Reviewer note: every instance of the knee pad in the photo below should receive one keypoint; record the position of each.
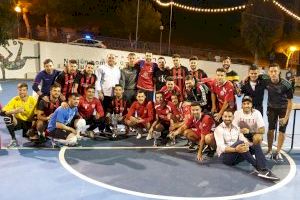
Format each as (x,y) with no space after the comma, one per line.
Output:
(81,125)
(8,120)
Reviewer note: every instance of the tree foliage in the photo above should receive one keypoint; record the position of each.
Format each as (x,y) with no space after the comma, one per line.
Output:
(261,27)
(149,18)
(7,21)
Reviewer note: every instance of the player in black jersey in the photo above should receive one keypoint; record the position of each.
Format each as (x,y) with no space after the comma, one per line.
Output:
(85,79)
(198,74)
(161,73)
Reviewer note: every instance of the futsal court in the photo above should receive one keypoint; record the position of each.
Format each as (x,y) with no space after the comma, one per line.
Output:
(133,169)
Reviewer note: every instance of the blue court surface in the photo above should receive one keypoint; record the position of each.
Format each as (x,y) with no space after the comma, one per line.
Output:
(133,169)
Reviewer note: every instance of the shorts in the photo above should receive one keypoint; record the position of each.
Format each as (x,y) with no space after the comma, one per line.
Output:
(198,133)
(59,133)
(165,124)
(273,115)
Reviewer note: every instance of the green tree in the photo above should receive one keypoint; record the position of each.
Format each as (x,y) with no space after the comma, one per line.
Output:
(7,21)
(149,19)
(261,27)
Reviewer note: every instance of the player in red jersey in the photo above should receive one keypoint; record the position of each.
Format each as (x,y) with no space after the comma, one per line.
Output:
(85,79)
(117,109)
(140,114)
(169,89)
(161,124)
(197,129)
(198,74)
(222,95)
(91,110)
(178,72)
(44,111)
(145,78)
(67,79)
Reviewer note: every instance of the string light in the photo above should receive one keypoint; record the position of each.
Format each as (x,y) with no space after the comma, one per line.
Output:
(284,9)
(199,9)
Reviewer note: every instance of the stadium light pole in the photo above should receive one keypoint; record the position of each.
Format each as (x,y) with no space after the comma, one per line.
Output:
(137,23)
(170,28)
(161,28)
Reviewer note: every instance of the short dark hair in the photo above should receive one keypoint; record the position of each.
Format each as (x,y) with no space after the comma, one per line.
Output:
(131,54)
(274,65)
(73,61)
(175,56)
(193,58)
(73,94)
(170,78)
(159,92)
(90,63)
(119,85)
(90,87)
(221,70)
(195,104)
(189,77)
(227,57)
(229,110)
(55,85)
(161,58)
(141,91)
(48,60)
(253,67)
(21,85)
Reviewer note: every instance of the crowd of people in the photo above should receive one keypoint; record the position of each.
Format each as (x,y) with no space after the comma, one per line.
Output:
(159,102)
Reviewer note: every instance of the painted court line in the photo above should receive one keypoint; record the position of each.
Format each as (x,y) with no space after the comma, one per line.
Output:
(96,148)
(277,186)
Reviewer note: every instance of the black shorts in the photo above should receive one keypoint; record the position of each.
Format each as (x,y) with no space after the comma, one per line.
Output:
(273,115)
(59,133)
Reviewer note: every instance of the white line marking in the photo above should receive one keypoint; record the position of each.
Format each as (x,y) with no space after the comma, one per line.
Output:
(286,180)
(95,148)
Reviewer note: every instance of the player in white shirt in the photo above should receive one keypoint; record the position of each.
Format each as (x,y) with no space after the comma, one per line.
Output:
(108,75)
(250,121)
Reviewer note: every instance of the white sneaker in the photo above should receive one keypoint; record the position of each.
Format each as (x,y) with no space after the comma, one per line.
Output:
(149,137)
(139,136)
(269,156)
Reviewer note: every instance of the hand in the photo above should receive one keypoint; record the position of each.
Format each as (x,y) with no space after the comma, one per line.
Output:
(150,131)
(245,130)
(217,117)
(46,98)
(242,148)
(62,97)
(199,156)
(49,117)
(19,110)
(283,121)
(100,96)
(64,105)
(213,109)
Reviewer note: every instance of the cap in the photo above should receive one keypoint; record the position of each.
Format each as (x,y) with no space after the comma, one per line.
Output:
(247,98)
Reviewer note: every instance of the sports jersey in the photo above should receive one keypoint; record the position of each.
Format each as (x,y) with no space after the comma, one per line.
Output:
(67,82)
(87,108)
(200,126)
(253,121)
(129,76)
(107,78)
(145,78)
(198,74)
(28,106)
(48,107)
(180,111)
(167,94)
(279,93)
(144,111)
(198,94)
(179,75)
(118,106)
(85,81)
(232,76)
(160,77)
(62,115)
(46,80)
(224,93)
(162,112)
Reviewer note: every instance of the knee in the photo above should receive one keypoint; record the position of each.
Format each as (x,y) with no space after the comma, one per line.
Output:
(40,126)
(8,120)
(257,139)
(209,139)
(80,125)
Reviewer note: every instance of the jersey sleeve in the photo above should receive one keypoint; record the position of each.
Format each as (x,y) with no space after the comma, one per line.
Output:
(99,108)
(131,111)
(36,82)
(208,124)
(150,111)
(10,105)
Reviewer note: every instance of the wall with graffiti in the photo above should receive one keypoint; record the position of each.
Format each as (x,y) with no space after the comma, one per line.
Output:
(23,58)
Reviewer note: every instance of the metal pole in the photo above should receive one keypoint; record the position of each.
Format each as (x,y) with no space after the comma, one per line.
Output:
(160,40)
(137,23)
(170,28)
